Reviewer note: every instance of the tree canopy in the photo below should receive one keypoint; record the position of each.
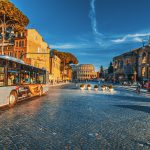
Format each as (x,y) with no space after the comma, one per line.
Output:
(110,68)
(65,57)
(101,69)
(18,19)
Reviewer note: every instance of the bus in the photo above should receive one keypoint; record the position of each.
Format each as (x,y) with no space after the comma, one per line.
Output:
(20,81)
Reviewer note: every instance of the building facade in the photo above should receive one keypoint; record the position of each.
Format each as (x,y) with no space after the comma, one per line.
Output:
(55,75)
(144,63)
(133,65)
(84,72)
(30,47)
(37,50)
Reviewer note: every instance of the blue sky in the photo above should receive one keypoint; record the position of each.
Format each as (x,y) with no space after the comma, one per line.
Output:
(93,30)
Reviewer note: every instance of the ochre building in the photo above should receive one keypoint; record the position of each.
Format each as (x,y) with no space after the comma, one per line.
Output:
(30,47)
(55,75)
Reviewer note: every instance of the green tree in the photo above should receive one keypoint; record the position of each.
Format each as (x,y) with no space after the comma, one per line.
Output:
(101,73)
(110,68)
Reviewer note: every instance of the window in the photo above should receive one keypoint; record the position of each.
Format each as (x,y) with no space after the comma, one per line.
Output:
(16,34)
(38,50)
(15,55)
(20,44)
(143,71)
(2,75)
(13,77)
(25,77)
(13,73)
(22,34)
(16,43)
(40,78)
(19,35)
(144,58)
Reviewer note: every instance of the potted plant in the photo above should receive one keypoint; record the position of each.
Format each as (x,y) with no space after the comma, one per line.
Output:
(82,86)
(103,87)
(89,87)
(96,87)
(111,88)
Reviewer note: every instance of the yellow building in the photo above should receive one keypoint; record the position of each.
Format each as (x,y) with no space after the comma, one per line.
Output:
(69,73)
(37,49)
(55,69)
(31,48)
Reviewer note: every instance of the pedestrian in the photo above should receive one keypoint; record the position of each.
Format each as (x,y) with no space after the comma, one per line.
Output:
(138,88)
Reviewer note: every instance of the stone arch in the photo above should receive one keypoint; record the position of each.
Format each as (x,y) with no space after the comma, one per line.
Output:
(143,71)
(144,57)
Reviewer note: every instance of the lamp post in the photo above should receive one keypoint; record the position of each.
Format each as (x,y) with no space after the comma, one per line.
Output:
(4,25)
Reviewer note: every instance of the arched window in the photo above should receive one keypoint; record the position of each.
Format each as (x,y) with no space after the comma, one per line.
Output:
(19,43)
(22,43)
(38,49)
(143,71)
(144,60)
(19,35)
(16,34)
(22,34)
(16,43)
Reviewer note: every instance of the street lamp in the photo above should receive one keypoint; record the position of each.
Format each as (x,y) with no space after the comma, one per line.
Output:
(4,26)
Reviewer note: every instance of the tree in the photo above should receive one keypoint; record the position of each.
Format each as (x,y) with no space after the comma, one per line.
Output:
(101,72)
(65,57)
(101,69)
(110,68)
(13,14)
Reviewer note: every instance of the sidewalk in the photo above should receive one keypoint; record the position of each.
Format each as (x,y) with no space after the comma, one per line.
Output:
(59,84)
(133,89)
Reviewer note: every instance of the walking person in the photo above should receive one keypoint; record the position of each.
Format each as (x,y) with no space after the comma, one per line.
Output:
(138,88)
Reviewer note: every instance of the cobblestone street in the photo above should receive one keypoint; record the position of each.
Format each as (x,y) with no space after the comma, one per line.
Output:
(68,118)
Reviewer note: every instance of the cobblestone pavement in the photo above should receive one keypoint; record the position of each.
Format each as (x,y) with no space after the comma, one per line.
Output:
(70,119)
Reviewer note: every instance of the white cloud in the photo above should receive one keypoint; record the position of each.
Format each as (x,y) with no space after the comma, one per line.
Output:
(131,37)
(67,46)
(121,40)
(92,15)
(137,39)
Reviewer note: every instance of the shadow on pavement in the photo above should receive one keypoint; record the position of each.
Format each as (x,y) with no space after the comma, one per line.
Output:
(135,107)
(133,98)
(143,143)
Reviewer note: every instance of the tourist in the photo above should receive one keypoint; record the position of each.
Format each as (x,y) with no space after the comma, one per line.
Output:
(27,80)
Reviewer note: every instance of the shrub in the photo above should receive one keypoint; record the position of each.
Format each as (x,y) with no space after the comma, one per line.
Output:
(95,86)
(88,85)
(103,86)
(82,85)
(110,86)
